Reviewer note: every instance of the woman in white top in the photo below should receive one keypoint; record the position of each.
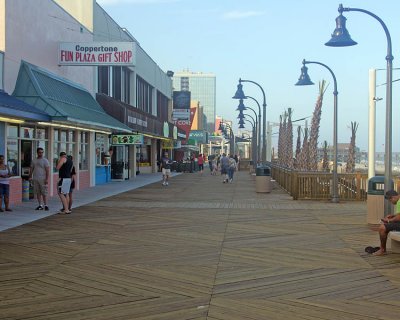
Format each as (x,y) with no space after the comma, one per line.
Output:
(4,184)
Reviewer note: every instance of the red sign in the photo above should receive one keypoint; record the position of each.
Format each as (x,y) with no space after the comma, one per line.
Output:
(186,125)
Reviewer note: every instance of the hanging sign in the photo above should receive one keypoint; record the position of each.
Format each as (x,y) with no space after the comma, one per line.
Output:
(127,139)
(167,144)
(97,53)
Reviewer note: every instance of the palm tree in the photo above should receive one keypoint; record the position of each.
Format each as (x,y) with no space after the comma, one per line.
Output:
(289,140)
(303,163)
(280,142)
(314,131)
(325,163)
(284,138)
(298,148)
(351,160)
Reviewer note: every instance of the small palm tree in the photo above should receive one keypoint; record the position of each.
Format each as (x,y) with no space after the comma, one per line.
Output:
(280,142)
(289,140)
(298,148)
(351,160)
(314,131)
(325,163)
(303,163)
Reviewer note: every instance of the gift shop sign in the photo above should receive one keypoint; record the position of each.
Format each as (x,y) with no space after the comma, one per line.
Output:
(97,53)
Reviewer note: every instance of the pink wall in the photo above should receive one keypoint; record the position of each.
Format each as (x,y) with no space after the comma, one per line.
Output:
(15,191)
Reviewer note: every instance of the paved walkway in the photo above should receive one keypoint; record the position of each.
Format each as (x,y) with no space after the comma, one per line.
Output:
(25,213)
(198,249)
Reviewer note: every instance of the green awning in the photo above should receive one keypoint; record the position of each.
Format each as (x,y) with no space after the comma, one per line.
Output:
(64,101)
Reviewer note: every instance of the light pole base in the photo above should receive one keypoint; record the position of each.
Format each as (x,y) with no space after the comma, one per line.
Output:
(335,200)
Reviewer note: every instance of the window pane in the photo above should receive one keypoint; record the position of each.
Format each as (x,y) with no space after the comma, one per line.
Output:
(41,133)
(117,83)
(12,155)
(12,131)
(26,133)
(103,79)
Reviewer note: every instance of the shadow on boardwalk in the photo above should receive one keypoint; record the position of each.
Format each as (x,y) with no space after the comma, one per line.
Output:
(198,249)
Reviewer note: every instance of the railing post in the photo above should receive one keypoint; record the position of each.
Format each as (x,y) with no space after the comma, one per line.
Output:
(295,185)
(358,185)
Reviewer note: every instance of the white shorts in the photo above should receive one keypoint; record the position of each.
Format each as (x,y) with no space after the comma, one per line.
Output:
(166,172)
(64,185)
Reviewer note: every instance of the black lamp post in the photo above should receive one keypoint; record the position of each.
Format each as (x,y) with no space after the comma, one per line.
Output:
(305,80)
(253,123)
(242,108)
(222,127)
(240,95)
(258,126)
(341,38)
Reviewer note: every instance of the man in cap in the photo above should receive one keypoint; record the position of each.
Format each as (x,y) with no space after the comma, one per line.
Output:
(165,168)
(390,222)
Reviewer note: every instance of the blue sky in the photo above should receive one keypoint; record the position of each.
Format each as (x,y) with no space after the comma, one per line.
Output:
(265,41)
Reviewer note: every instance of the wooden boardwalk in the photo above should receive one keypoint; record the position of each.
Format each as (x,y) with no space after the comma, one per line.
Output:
(198,249)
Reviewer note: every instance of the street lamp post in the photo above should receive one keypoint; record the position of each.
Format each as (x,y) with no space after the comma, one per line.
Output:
(341,38)
(258,127)
(305,80)
(253,124)
(241,107)
(232,136)
(240,95)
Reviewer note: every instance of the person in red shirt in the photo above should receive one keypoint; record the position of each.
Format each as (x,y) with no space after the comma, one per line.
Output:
(200,162)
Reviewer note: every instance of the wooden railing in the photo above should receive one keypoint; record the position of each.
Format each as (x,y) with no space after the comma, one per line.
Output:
(317,185)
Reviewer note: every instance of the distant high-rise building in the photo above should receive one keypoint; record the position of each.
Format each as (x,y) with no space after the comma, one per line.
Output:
(203,89)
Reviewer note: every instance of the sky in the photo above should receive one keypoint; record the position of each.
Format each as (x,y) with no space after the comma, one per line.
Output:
(265,41)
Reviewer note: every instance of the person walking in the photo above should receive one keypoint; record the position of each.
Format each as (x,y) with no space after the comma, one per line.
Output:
(224,167)
(71,189)
(165,168)
(64,167)
(5,175)
(200,162)
(39,175)
(232,168)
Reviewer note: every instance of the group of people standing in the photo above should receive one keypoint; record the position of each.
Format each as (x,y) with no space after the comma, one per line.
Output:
(227,165)
(39,176)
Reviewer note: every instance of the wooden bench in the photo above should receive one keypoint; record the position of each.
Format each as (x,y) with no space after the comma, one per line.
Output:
(395,241)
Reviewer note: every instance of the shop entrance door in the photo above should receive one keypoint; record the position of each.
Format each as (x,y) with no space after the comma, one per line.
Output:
(26,157)
(120,163)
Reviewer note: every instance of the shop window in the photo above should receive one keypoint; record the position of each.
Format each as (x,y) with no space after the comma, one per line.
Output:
(144,155)
(102,149)
(12,155)
(144,95)
(103,79)
(22,142)
(116,84)
(63,141)
(12,131)
(126,85)
(84,151)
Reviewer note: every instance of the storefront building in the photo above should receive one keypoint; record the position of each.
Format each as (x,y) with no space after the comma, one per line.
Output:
(58,112)
(140,96)
(35,52)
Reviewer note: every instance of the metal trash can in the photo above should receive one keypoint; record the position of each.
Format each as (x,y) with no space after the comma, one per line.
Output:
(376,199)
(263,179)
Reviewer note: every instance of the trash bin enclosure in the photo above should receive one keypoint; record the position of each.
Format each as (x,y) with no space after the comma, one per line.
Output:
(376,199)
(263,179)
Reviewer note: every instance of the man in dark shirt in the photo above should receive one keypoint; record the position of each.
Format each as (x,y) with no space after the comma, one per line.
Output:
(165,168)
(64,167)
